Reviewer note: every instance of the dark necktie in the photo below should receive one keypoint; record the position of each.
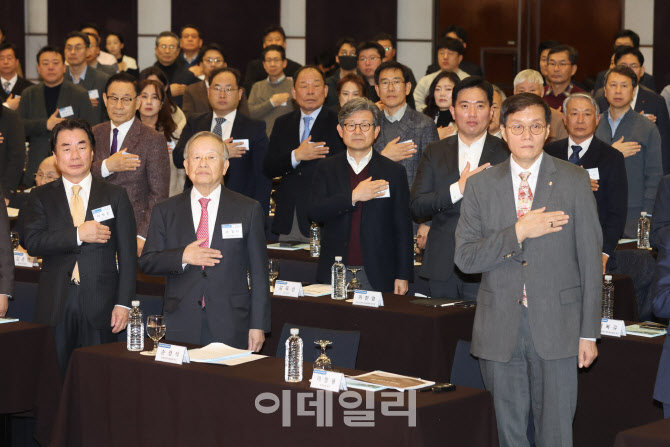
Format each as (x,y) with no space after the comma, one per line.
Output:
(574,158)
(217,127)
(114,141)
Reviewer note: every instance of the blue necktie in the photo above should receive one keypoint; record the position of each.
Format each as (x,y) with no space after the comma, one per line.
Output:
(114,141)
(574,158)
(305,132)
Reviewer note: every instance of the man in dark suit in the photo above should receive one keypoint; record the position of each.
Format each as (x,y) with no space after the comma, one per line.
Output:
(245,173)
(195,96)
(92,53)
(661,293)
(361,199)
(6,260)
(131,154)
(440,181)
(645,101)
(79,73)
(605,164)
(625,38)
(11,84)
(272,35)
(80,226)
(299,139)
(204,241)
(530,226)
(44,105)
(174,67)
(12,151)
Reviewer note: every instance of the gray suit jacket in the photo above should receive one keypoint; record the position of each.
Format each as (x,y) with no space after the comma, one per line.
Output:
(562,271)
(94,80)
(431,198)
(34,114)
(644,169)
(232,309)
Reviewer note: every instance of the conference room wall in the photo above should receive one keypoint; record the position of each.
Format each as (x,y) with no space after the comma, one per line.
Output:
(14,29)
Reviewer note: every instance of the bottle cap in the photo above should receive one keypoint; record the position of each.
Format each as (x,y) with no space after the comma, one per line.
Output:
(608,277)
(136,303)
(338,258)
(295,331)
(643,214)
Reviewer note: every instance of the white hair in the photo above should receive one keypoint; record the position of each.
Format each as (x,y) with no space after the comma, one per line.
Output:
(528,75)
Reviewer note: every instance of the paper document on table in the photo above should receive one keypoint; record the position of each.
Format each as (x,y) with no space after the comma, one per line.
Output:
(215,353)
(359,385)
(240,360)
(317,290)
(12,212)
(286,246)
(393,381)
(627,241)
(641,331)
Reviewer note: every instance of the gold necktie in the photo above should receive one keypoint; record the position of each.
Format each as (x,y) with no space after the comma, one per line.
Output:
(78,216)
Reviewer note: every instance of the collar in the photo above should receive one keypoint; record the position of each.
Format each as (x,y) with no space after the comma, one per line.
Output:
(278,81)
(11,80)
(82,76)
(125,127)
(85,183)
(229,118)
(359,166)
(565,92)
(632,103)
(314,114)
(214,195)
(534,169)
(584,145)
(609,115)
(187,59)
(396,116)
(477,144)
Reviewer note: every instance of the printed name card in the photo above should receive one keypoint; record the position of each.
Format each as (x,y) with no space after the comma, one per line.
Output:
(368,298)
(231,231)
(328,380)
(93,94)
(103,213)
(244,141)
(172,354)
(594,173)
(613,328)
(288,288)
(65,112)
(22,260)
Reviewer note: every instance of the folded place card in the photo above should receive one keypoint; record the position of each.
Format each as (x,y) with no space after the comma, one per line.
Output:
(328,380)
(172,354)
(22,259)
(613,328)
(368,298)
(288,288)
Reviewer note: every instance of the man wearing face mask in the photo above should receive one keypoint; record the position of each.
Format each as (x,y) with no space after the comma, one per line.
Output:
(346,58)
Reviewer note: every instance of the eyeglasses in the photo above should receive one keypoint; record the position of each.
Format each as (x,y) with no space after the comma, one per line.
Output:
(213,60)
(46,177)
(518,129)
(561,64)
(228,90)
(386,83)
(372,59)
(75,48)
(208,158)
(631,66)
(165,47)
(276,59)
(113,100)
(351,127)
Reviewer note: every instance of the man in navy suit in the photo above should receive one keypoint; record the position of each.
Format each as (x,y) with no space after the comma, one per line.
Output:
(581,116)
(361,199)
(245,174)
(661,293)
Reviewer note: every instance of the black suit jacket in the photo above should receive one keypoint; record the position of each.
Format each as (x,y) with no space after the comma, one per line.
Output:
(245,174)
(21,84)
(232,308)
(652,103)
(612,194)
(431,198)
(386,225)
(12,150)
(293,191)
(48,231)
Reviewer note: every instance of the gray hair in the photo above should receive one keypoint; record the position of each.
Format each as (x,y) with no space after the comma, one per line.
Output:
(357,105)
(203,134)
(498,90)
(591,99)
(167,34)
(528,75)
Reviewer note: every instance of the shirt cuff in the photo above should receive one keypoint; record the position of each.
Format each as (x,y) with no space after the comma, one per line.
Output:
(141,237)
(79,242)
(121,305)
(294,162)
(606,254)
(588,339)
(183,266)
(6,105)
(455,192)
(104,171)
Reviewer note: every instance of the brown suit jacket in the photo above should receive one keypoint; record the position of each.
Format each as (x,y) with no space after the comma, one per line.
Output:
(196,101)
(150,183)
(557,131)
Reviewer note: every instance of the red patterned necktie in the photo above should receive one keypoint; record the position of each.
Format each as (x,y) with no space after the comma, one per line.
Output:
(525,203)
(203,229)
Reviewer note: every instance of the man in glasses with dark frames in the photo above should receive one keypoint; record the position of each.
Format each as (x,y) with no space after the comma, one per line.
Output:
(365,218)
(131,154)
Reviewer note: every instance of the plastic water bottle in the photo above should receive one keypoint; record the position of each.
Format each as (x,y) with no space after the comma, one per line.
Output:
(643,231)
(135,338)
(608,298)
(338,280)
(314,240)
(293,357)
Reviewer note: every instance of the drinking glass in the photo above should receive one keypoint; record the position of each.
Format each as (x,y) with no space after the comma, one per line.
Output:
(155,330)
(15,239)
(323,362)
(273,270)
(354,284)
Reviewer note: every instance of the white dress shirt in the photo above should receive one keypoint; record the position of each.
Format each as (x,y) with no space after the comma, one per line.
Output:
(212,211)
(84,193)
(227,126)
(123,131)
(532,178)
(637,90)
(358,167)
(12,83)
(301,130)
(466,154)
(584,145)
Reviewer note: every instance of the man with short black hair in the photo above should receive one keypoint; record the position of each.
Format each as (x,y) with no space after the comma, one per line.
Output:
(561,67)
(388,43)
(92,53)
(79,73)
(625,38)
(370,55)
(44,105)
(174,67)
(195,96)
(459,33)
(103,57)
(449,57)
(272,35)
(190,42)
(11,84)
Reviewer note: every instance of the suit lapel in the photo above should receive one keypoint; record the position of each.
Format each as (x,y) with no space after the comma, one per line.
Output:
(185,215)
(590,159)
(488,150)
(221,217)
(60,197)
(505,193)
(132,138)
(545,182)
(94,199)
(238,126)
(102,143)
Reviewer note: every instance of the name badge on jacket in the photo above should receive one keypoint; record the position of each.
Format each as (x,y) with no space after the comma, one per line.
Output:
(103,213)
(387,193)
(231,231)
(64,112)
